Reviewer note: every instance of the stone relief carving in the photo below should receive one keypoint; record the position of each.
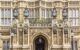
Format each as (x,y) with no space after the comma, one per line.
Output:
(36,31)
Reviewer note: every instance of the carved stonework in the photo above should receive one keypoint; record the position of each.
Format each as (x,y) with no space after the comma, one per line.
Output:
(36,31)
(60,36)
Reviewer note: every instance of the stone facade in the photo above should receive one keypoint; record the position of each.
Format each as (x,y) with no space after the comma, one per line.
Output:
(39,23)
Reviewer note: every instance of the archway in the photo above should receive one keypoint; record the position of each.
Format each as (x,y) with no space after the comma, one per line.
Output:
(40,43)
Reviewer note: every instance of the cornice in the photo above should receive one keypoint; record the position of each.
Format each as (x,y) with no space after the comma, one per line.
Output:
(39,0)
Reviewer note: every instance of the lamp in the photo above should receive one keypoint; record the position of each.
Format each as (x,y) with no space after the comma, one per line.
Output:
(26,12)
(54,12)
(15,12)
(65,12)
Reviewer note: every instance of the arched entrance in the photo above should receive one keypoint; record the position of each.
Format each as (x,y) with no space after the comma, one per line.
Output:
(40,43)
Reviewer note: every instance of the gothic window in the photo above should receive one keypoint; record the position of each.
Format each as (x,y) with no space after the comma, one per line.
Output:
(43,12)
(48,13)
(5,45)
(31,14)
(6,16)
(36,12)
(73,15)
(74,44)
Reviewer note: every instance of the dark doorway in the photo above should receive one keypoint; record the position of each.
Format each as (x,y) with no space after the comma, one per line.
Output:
(40,43)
